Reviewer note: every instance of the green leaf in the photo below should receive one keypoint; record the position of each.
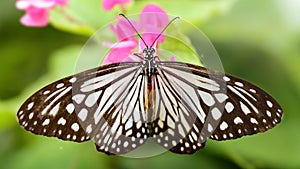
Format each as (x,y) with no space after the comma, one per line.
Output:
(85,17)
(81,17)
(50,153)
(196,12)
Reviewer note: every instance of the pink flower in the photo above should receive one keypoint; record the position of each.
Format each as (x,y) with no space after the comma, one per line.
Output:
(158,19)
(109,4)
(124,30)
(119,52)
(127,42)
(151,22)
(37,11)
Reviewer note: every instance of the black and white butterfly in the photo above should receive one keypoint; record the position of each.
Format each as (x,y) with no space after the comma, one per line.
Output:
(177,104)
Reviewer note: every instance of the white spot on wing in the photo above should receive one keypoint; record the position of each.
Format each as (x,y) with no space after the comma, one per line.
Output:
(270,104)
(54,110)
(269,113)
(216,114)
(226,78)
(83,114)
(70,108)
(92,99)
(264,121)
(78,98)
(207,98)
(46,122)
(244,108)
(223,125)
(89,129)
(238,120)
(221,97)
(61,121)
(253,120)
(20,112)
(239,84)
(31,115)
(125,144)
(229,107)
(75,127)
(46,92)
(30,105)
(209,128)
(73,79)
(60,85)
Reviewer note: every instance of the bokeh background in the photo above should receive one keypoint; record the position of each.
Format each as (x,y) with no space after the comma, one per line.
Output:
(258,41)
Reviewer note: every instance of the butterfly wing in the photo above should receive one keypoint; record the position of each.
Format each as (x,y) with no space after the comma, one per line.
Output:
(51,112)
(105,104)
(208,104)
(176,126)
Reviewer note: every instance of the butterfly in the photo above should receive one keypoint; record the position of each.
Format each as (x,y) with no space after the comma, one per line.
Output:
(121,105)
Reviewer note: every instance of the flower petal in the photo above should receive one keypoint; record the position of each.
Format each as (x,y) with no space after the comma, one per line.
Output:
(157,17)
(123,44)
(61,2)
(124,30)
(109,4)
(35,17)
(120,52)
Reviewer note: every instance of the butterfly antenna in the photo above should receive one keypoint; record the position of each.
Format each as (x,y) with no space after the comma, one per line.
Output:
(163,30)
(134,29)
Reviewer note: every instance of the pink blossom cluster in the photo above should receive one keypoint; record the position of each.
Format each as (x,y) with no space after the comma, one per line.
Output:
(37,11)
(152,20)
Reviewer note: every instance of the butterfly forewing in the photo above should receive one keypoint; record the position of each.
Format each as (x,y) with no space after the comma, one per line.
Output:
(248,110)
(50,112)
(105,104)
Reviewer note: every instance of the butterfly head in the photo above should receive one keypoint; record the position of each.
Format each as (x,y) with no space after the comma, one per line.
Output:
(149,52)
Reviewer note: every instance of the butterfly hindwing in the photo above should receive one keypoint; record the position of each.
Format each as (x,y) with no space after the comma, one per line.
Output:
(176,127)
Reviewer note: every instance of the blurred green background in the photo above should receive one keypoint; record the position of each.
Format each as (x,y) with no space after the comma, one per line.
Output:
(258,41)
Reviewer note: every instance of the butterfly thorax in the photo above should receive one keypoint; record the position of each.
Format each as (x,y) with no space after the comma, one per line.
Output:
(149,69)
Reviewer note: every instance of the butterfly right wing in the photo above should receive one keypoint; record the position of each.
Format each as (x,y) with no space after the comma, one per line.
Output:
(97,103)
